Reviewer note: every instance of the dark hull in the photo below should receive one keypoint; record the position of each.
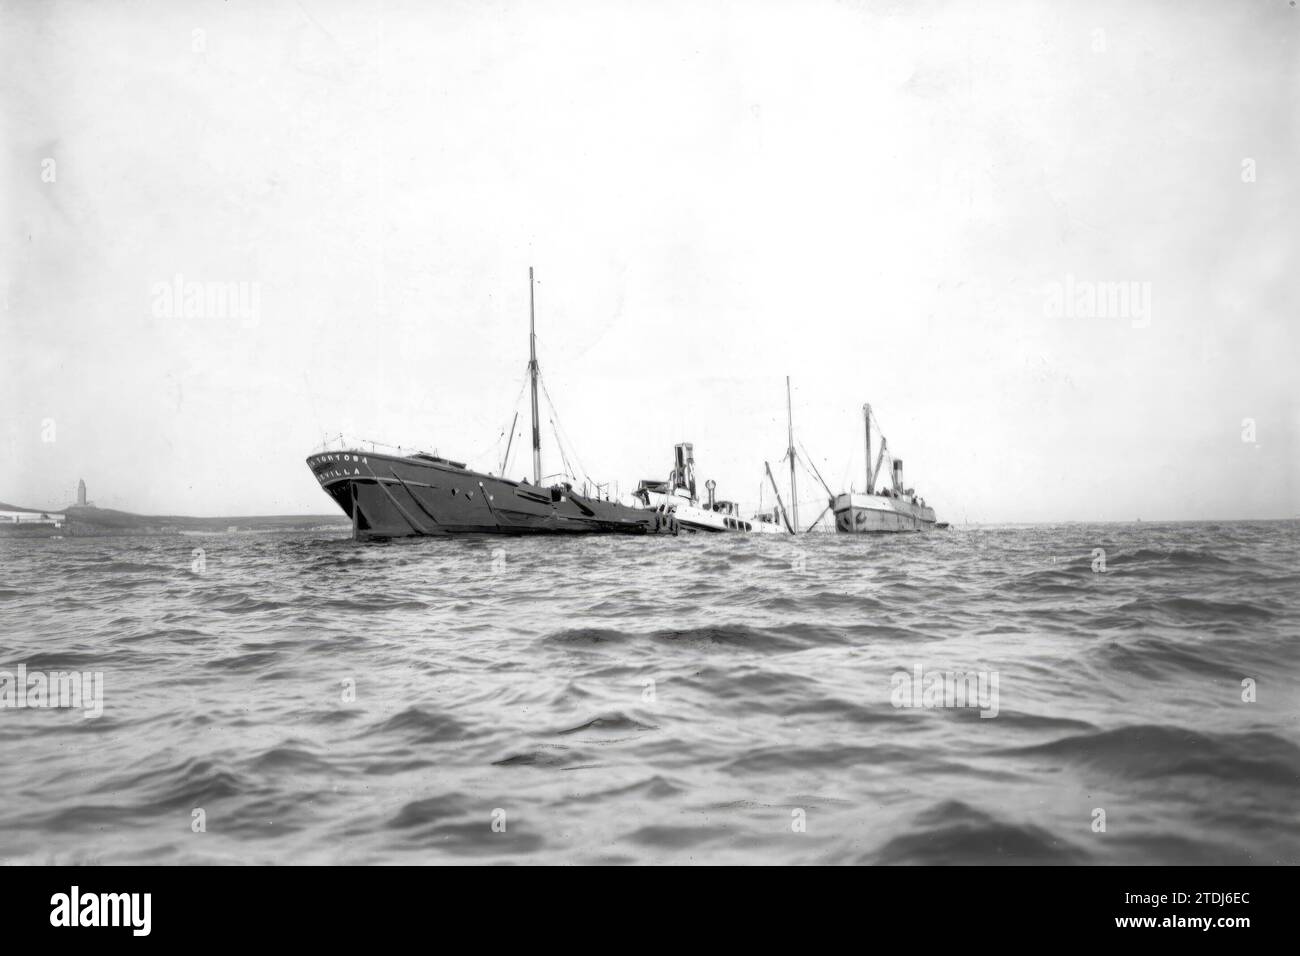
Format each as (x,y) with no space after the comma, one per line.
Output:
(388,496)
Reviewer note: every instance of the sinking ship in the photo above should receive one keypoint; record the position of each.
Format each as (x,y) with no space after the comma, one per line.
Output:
(892,509)
(678,498)
(421,494)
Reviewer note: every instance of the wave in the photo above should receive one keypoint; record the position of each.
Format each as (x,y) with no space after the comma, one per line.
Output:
(1193,610)
(1156,751)
(418,726)
(953,833)
(1181,557)
(771,640)
(607,723)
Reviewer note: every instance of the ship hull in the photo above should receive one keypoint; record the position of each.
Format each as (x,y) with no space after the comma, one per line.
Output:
(31,529)
(880,514)
(387,496)
(697,520)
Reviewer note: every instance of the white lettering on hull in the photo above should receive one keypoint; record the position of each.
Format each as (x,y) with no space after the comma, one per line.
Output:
(334,473)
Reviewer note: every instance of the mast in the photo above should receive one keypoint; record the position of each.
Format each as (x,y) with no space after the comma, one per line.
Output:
(532,376)
(794,489)
(780,507)
(509,444)
(866,423)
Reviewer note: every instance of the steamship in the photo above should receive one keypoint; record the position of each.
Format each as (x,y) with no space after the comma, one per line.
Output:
(400,496)
(894,508)
(678,498)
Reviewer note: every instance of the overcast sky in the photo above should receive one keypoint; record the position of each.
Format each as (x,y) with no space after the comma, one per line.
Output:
(887,202)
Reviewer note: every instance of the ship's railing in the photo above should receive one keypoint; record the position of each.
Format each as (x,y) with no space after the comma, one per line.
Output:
(342,442)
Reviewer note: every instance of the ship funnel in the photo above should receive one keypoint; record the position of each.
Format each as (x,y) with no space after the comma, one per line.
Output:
(898,474)
(710,485)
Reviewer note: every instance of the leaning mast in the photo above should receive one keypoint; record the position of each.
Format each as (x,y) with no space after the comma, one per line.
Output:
(532,376)
(866,421)
(794,489)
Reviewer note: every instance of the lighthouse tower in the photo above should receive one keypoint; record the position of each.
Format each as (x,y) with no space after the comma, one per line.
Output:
(81,493)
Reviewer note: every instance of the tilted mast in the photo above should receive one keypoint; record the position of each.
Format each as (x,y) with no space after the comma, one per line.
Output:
(780,507)
(532,376)
(794,489)
(866,422)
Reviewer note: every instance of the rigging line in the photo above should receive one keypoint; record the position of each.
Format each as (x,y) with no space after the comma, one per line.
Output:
(573,450)
(559,446)
(818,519)
(880,430)
(496,444)
(554,424)
(510,452)
(523,385)
(808,462)
(514,411)
(564,459)
(555,430)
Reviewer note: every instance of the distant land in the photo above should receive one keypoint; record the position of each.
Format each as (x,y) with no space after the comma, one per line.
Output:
(89,521)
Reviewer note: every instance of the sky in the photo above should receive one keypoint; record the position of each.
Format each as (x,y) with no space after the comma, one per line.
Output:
(931,207)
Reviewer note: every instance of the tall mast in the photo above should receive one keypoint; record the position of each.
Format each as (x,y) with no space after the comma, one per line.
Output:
(866,423)
(794,488)
(532,376)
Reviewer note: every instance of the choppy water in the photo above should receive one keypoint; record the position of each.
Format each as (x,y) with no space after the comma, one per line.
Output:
(686,700)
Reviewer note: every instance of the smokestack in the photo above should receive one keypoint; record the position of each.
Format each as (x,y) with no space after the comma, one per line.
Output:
(898,475)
